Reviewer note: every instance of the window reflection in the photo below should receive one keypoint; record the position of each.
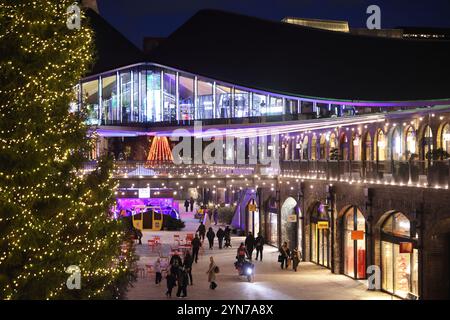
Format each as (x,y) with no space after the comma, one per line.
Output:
(204,100)
(110,110)
(223,101)
(169,102)
(90,101)
(241,103)
(125,96)
(186,97)
(259,105)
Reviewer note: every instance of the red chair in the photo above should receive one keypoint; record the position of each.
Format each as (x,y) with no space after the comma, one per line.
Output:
(176,238)
(152,244)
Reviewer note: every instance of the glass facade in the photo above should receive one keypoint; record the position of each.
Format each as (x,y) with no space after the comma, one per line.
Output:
(354,244)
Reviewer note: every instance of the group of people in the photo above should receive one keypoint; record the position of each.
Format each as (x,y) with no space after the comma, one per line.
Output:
(211,235)
(286,257)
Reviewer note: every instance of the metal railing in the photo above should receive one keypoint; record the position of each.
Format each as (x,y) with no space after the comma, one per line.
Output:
(423,173)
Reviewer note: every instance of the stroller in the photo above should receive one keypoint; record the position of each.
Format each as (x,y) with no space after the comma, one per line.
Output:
(245,268)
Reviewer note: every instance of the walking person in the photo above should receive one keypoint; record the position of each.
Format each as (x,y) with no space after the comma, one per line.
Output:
(210,213)
(196,244)
(186,205)
(259,246)
(201,231)
(284,255)
(187,262)
(220,235)
(216,216)
(170,283)
(295,259)
(191,203)
(211,235)
(158,275)
(227,237)
(249,245)
(138,235)
(212,270)
(182,283)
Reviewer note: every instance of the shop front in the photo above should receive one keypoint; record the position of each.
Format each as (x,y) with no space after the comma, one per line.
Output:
(354,244)
(271,222)
(320,235)
(399,257)
(290,223)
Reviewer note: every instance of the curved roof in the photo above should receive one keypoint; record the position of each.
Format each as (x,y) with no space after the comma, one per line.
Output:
(302,61)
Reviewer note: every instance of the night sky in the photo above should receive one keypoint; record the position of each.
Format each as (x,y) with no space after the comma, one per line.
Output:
(139,18)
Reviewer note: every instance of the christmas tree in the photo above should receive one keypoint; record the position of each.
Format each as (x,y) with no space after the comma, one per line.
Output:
(52,214)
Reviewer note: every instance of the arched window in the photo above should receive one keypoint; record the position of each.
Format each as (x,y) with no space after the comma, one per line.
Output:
(396,145)
(426,142)
(314,147)
(445,138)
(410,152)
(354,243)
(356,147)
(399,256)
(323,147)
(343,146)
(320,235)
(368,147)
(305,148)
(381,146)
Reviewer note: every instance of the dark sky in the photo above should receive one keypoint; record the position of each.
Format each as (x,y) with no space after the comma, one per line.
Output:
(139,18)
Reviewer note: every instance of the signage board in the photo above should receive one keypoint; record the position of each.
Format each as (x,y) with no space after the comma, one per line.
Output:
(322,225)
(144,193)
(251,207)
(406,247)
(292,218)
(357,235)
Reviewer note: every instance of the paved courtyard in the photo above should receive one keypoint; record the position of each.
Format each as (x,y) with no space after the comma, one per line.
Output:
(310,282)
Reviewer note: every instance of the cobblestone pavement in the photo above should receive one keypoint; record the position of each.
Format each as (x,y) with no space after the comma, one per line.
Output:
(310,282)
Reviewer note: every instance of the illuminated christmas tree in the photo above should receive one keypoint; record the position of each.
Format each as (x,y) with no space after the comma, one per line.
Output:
(51,215)
(159,151)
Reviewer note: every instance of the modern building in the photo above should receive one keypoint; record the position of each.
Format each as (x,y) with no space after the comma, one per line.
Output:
(363,126)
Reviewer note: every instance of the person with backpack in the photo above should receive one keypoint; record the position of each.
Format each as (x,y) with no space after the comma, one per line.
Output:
(212,270)
(211,235)
(259,246)
(220,235)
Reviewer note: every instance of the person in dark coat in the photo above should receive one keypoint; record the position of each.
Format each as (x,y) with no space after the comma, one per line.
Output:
(138,235)
(201,231)
(259,246)
(211,235)
(183,281)
(176,259)
(216,216)
(250,245)
(191,202)
(227,237)
(284,255)
(241,253)
(186,205)
(171,279)
(196,244)
(220,235)
(187,263)
(295,259)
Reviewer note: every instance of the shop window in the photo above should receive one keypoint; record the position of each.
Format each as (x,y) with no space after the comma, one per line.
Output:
(410,152)
(396,145)
(427,142)
(381,146)
(152,81)
(323,147)
(320,235)
(223,102)
(354,244)
(343,145)
(89,91)
(446,138)
(314,148)
(186,97)
(273,228)
(275,106)
(356,147)
(367,147)
(259,105)
(399,257)
(305,148)
(135,111)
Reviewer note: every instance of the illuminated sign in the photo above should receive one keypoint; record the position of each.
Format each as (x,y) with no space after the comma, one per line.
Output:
(322,225)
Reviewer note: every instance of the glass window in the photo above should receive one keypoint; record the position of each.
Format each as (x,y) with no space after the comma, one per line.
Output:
(153,84)
(169,101)
(305,149)
(143,104)
(204,100)
(186,97)
(427,142)
(90,101)
(125,96)
(381,146)
(410,143)
(356,145)
(354,249)
(241,103)
(387,266)
(135,115)
(446,138)
(397,145)
(322,147)
(274,228)
(223,101)
(110,110)
(291,106)
(367,147)
(276,106)
(314,147)
(398,225)
(259,105)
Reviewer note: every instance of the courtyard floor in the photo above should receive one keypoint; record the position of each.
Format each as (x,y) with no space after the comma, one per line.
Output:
(310,282)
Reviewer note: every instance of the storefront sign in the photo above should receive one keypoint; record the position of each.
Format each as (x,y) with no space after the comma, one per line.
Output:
(357,235)
(251,207)
(144,193)
(292,218)
(406,247)
(322,225)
